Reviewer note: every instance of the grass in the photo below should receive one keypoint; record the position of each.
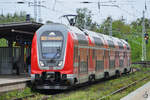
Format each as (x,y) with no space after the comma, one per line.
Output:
(16,94)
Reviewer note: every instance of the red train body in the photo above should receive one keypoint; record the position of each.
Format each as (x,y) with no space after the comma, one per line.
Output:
(64,56)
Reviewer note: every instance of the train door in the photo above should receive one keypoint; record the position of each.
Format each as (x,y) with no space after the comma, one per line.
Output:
(112,60)
(125,59)
(116,59)
(79,64)
(76,61)
(106,59)
(128,57)
(91,59)
(99,60)
(79,61)
(121,61)
(83,65)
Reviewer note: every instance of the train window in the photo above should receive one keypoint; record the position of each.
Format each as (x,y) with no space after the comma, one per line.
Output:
(112,64)
(51,44)
(111,44)
(82,39)
(116,54)
(75,52)
(121,62)
(128,48)
(51,49)
(124,54)
(120,45)
(106,53)
(93,53)
(98,41)
(128,61)
(83,67)
(99,65)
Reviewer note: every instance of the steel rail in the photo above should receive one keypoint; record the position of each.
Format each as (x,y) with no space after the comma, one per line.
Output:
(124,88)
(25,97)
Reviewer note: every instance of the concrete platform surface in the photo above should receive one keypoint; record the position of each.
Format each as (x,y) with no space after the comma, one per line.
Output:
(7,79)
(13,82)
(142,93)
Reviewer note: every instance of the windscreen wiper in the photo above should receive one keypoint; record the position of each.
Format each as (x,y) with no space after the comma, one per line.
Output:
(58,51)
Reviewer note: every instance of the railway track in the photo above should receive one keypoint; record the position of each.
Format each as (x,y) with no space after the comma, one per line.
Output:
(142,62)
(25,97)
(31,96)
(124,88)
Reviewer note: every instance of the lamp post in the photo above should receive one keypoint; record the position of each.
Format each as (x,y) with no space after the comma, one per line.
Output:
(143,41)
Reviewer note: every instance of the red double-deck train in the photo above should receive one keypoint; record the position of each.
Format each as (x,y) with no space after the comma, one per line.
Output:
(64,56)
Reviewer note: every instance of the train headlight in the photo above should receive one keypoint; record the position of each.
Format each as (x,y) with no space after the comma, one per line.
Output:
(41,63)
(60,63)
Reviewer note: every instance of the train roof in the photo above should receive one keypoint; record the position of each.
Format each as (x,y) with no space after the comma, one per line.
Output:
(112,41)
(115,40)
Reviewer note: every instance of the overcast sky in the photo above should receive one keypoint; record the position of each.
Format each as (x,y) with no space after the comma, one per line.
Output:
(129,9)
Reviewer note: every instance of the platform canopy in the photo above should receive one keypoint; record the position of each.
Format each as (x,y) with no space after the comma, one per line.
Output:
(14,57)
(23,31)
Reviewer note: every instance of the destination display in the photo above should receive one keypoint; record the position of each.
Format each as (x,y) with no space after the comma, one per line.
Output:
(51,38)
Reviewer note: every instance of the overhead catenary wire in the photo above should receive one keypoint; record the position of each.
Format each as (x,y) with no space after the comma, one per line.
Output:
(85,2)
(131,14)
(106,3)
(7,2)
(119,7)
(127,12)
(117,4)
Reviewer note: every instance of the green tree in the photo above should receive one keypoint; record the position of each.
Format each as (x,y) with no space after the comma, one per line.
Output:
(118,27)
(16,17)
(11,18)
(84,19)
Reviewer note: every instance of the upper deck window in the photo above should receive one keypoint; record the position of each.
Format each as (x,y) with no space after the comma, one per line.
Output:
(120,45)
(82,39)
(98,41)
(111,44)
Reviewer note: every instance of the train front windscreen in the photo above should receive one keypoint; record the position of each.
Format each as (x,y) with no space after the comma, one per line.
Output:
(51,45)
(51,49)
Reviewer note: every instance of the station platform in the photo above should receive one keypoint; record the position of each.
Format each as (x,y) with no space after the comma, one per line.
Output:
(142,93)
(13,82)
